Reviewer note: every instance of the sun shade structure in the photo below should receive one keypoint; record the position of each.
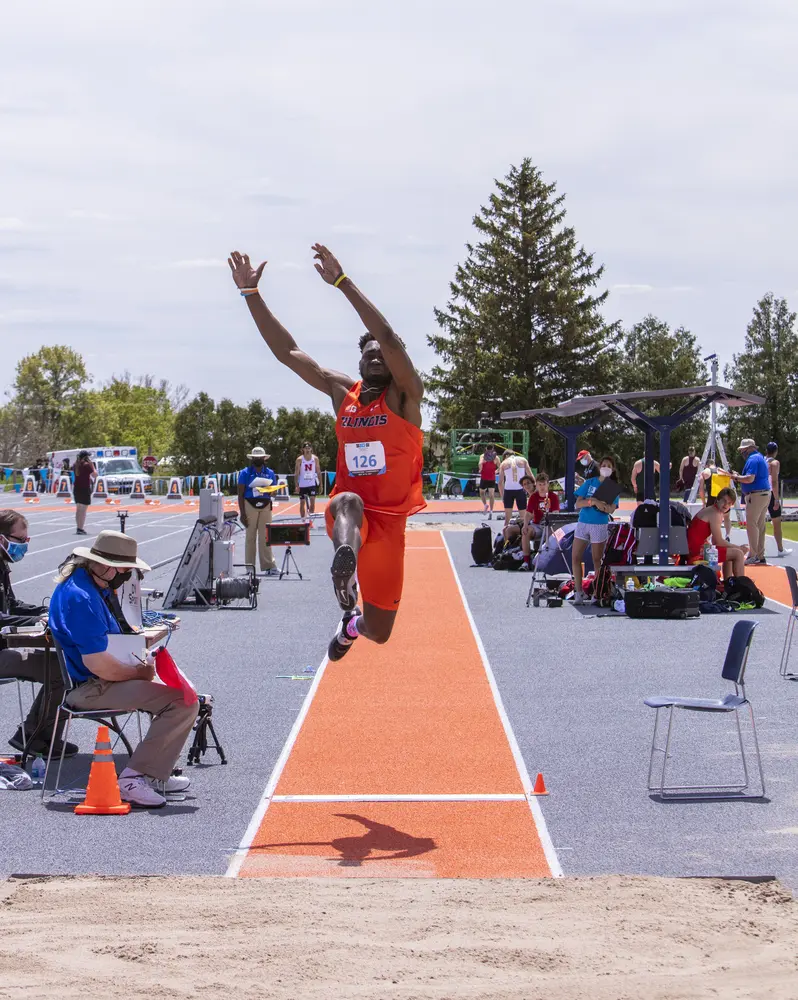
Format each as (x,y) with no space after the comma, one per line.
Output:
(628,405)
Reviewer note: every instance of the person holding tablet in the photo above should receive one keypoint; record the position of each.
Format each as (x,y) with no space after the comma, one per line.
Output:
(594,516)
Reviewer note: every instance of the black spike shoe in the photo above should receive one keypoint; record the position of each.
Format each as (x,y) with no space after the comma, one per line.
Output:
(344,566)
(341,642)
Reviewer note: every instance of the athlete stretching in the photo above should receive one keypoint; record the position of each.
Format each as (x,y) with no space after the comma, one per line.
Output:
(378,470)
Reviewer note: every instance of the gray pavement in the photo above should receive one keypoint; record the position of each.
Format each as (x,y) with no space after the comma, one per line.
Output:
(572,683)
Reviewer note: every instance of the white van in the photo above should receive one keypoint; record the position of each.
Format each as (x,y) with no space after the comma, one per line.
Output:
(117,464)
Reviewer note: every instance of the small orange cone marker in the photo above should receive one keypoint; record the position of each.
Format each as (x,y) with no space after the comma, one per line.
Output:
(540,786)
(102,792)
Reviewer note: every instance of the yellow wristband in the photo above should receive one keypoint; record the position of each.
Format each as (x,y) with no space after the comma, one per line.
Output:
(338,281)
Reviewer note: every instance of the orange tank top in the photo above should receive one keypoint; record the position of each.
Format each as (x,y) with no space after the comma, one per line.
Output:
(379,456)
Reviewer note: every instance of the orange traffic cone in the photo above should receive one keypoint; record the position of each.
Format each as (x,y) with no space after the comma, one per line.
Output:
(540,786)
(102,792)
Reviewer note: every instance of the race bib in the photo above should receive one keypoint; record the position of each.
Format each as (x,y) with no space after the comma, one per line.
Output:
(365,458)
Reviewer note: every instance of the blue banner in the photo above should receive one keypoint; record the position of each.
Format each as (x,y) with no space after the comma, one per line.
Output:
(464,483)
(331,478)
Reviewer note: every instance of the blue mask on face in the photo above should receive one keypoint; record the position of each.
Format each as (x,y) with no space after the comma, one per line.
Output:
(15,550)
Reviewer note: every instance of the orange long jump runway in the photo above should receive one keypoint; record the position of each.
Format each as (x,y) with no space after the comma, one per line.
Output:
(402,765)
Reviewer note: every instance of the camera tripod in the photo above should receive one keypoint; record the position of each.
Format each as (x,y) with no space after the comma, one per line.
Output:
(288,558)
(202,727)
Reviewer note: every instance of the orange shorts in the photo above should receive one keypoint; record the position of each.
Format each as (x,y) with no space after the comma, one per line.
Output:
(381,560)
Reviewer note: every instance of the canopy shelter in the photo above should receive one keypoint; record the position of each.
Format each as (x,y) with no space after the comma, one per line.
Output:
(627,405)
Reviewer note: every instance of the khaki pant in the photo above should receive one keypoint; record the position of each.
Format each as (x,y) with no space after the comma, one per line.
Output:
(172,719)
(256,533)
(756,508)
(28,665)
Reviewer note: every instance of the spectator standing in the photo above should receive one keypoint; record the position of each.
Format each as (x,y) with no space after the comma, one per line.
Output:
(774,507)
(541,501)
(638,482)
(511,472)
(586,467)
(488,467)
(591,528)
(85,474)
(307,471)
(26,664)
(688,470)
(255,509)
(82,617)
(756,489)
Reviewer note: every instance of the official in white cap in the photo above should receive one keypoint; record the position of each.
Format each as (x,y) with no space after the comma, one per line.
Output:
(83,614)
(755,486)
(255,508)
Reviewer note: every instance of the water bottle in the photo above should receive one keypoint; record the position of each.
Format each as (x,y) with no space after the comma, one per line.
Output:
(712,558)
(37,771)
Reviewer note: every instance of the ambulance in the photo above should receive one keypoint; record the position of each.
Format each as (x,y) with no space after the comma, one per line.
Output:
(117,464)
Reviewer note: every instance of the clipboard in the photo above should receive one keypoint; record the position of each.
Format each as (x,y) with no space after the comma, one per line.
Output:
(130,649)
(608,492)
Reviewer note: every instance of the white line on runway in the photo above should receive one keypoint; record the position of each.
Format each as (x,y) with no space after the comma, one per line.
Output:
(448,797)
(144,542)
(257,817)
(64,545)
(526,783)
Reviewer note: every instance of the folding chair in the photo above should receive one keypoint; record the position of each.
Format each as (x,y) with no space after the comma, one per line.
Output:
(105,716)
(734,671)
(792,578)
(542,584)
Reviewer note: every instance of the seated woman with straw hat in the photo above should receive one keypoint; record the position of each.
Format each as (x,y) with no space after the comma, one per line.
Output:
(83,613)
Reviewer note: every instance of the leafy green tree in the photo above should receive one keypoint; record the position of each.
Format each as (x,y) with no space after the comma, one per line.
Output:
(47,383)
(768,367)
(194,429)
(122,412)
(523,327)
(654,357)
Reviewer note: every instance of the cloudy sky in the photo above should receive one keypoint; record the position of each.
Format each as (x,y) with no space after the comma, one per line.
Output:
(142,142)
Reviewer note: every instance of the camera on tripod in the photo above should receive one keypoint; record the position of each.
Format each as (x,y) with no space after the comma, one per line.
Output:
(202,727)
(287,534)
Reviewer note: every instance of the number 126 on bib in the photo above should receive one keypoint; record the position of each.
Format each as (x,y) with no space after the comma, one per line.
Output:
(365,458)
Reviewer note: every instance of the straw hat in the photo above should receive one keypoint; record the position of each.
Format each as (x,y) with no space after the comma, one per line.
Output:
(747,443)
(113,548)
(258,453)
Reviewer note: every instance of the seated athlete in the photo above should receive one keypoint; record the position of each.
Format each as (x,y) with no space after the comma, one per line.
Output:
(707,526)
(378,470)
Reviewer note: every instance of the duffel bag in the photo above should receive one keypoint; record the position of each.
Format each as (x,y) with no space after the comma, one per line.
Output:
(662,603)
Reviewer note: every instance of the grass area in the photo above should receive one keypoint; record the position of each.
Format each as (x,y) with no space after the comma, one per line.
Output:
(789,529)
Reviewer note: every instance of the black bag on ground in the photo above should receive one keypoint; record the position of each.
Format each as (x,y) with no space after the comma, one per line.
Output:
(662,604)
(705,582)
(743,590)
(482,546)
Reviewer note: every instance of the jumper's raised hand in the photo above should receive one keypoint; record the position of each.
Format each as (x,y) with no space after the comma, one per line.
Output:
(244,274)
(328,266)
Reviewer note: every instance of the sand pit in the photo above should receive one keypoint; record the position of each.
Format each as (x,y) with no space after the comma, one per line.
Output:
(570,939)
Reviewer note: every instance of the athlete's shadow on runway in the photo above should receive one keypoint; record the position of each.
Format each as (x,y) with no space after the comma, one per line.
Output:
(354,851)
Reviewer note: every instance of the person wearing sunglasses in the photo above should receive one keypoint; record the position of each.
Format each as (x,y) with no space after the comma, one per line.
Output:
(26,664)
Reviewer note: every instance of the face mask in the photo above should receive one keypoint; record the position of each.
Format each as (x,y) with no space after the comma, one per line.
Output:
(118,579)
(583,461)
(605,471)
(258,463)
(14,550)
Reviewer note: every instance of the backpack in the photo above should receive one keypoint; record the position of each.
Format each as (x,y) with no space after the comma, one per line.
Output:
(482,546)
(619,551)
(743,590)
(706,583)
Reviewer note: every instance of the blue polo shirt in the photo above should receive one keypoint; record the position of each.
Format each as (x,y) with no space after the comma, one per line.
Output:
(591,515)
(246,476)
(756,465)
(80,621)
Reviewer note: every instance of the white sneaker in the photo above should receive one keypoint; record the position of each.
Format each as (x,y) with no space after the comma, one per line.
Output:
(490,516)
(137,790)
(579,598)
(176,783)
(783,552)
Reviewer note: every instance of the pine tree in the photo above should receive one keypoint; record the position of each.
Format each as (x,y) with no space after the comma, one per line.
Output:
(768,366)
(523,327)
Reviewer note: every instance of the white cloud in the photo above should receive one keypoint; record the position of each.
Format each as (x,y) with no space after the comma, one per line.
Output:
(89,215)
(197,263)
(352,229)
(11,224)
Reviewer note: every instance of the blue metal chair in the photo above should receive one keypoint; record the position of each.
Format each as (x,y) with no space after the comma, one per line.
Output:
(792,578)
(105,716)
(734,671)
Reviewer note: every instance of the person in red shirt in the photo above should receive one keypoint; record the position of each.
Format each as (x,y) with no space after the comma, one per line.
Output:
(488,467)
(379,464)
(541,501)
